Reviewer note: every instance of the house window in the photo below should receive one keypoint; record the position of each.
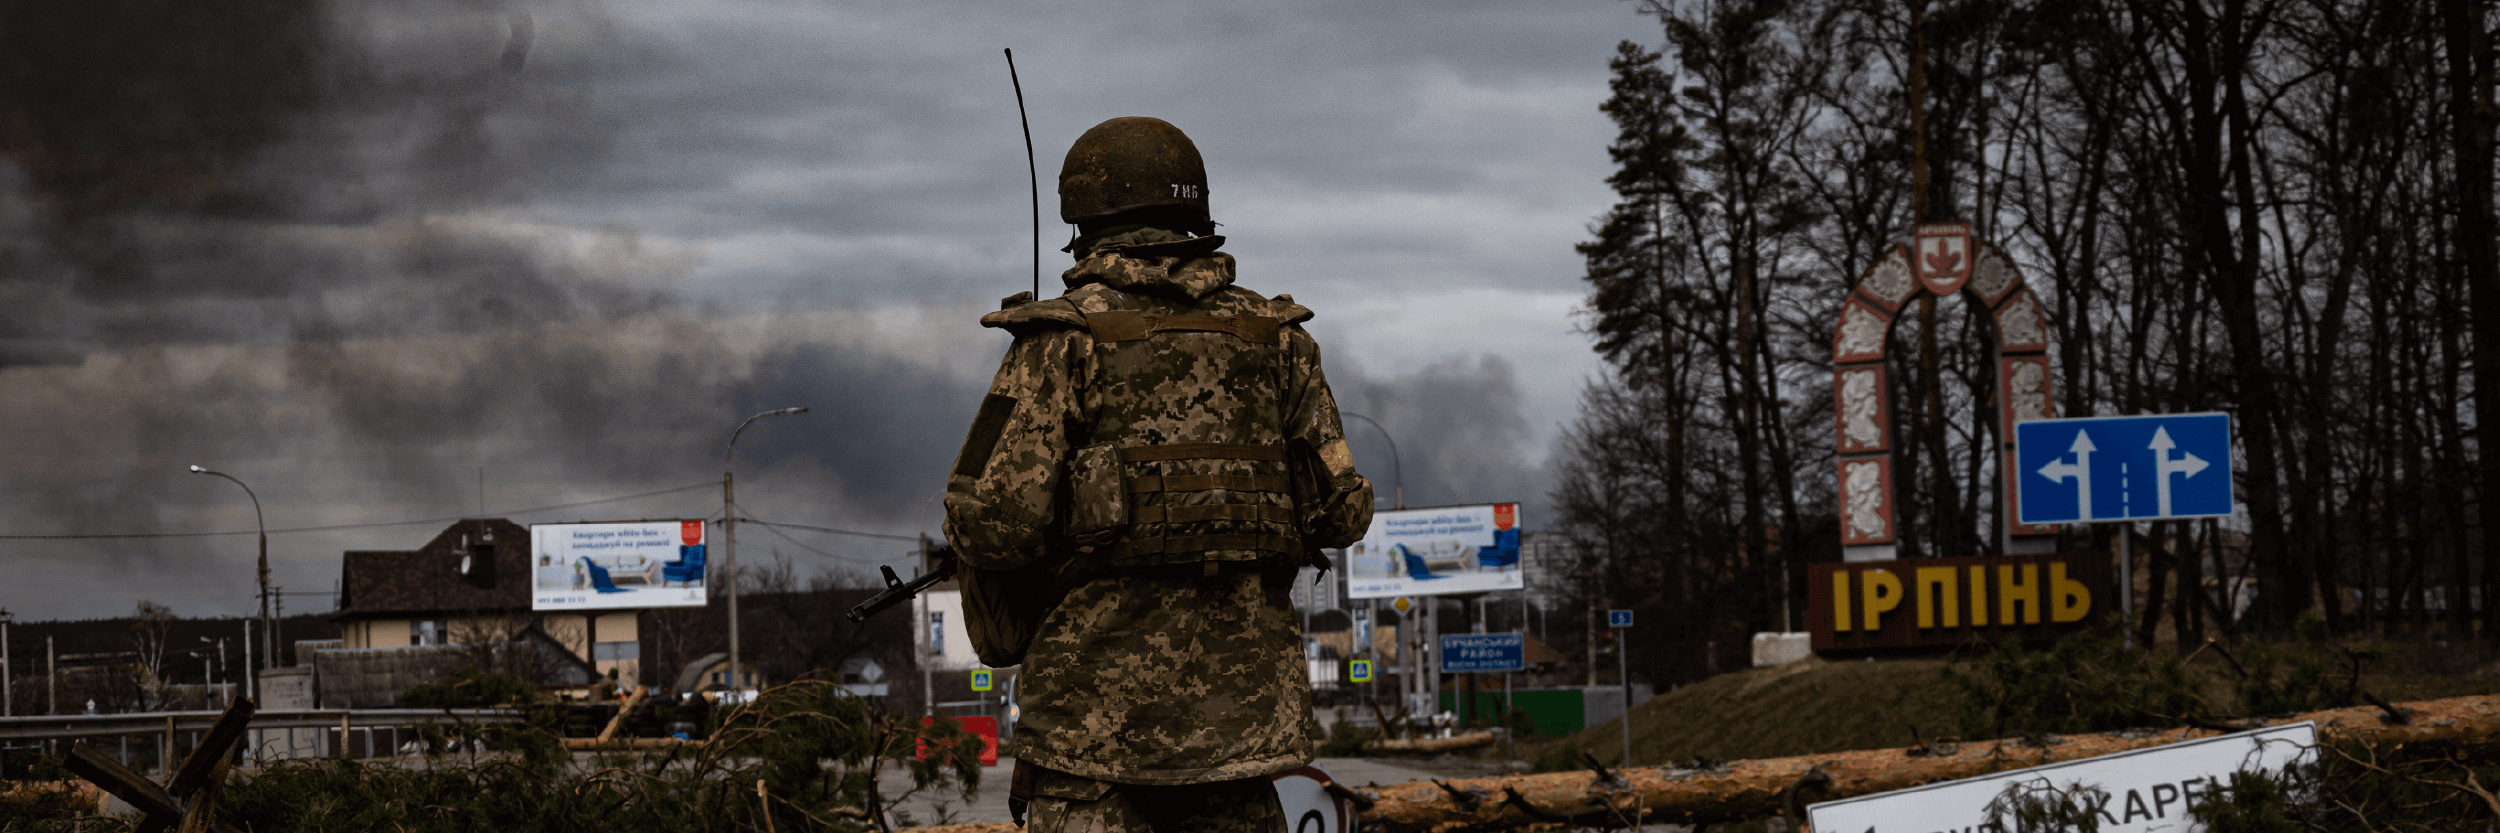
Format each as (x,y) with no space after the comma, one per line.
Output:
(614,651)
(425,632)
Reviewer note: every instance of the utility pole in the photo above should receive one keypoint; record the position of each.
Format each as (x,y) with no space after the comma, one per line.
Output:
(51,678)
(251,673)
(729,536)
(8,693)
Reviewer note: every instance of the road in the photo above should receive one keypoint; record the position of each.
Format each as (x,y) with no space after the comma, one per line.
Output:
(991,804)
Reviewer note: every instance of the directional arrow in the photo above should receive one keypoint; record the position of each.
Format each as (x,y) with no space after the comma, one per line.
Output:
(2080,470)
(2187,465)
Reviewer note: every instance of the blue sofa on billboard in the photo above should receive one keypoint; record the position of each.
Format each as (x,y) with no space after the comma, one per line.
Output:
(599,577)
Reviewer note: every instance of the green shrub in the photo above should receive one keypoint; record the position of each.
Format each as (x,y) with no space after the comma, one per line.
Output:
(470,688)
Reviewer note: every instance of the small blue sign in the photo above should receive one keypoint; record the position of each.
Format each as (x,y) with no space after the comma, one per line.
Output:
(2123,468)
(1618,618)
(1483,652)
(1359,671)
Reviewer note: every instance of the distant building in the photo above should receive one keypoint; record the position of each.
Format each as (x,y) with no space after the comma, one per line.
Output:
(406,617)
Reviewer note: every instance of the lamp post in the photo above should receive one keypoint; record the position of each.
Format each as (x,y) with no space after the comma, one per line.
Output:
(269,629)
(221,656)
(1397,468)
(729,534)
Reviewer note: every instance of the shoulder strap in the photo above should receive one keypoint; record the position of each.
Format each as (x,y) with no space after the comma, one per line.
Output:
(1131,325)
(1021,315)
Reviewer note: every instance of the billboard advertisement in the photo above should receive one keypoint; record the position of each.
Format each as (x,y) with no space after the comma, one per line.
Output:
(1425,552)
(616,565)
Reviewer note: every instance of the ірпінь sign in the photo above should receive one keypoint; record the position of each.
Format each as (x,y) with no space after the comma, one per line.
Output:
(1930,603)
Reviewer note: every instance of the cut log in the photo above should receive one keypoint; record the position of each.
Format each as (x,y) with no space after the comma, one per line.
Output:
(620,744)
(1743,790)
(1470,740)
(631,700)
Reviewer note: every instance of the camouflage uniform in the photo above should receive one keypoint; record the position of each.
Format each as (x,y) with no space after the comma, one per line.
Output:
(1157,456)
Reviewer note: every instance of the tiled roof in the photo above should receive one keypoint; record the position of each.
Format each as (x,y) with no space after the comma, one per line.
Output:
(428,579)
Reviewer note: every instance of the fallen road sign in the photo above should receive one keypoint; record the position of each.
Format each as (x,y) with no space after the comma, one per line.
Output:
(2137,791)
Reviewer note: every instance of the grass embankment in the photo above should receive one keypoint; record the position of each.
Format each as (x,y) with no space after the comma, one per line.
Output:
(1816,706)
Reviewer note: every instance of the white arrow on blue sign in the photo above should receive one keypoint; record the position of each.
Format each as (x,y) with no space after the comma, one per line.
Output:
(2124,468)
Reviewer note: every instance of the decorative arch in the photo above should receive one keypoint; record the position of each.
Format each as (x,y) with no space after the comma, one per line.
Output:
(1941,259)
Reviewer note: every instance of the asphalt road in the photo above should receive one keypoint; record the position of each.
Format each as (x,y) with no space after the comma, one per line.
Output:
(991,804)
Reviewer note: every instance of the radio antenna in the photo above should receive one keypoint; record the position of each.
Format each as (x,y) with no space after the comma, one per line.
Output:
(1032,168)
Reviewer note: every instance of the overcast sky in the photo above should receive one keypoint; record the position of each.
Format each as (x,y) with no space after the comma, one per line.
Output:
(366,258)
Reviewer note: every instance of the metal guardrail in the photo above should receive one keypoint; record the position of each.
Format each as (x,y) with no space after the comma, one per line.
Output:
(63,726)
(274,735)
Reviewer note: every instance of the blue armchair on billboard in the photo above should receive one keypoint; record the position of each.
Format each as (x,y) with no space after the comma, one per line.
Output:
(687,569)
(599,577)
(1504,554)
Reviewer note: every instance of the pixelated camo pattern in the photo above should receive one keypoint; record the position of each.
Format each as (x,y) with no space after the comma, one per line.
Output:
(1067,804)
(1151,674)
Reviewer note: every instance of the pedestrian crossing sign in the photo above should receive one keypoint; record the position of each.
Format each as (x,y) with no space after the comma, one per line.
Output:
(1359,671)
(980,681)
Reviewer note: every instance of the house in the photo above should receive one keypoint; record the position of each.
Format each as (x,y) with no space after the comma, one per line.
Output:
(465,598)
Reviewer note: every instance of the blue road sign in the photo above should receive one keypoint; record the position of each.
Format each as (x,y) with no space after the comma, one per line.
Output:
(1483,652)
(2124,468)
(1618,618)
(980,681)
(1359,671)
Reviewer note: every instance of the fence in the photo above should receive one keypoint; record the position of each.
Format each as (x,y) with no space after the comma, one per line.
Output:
(164,737)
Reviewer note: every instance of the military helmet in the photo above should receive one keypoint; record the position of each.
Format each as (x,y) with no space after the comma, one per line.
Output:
(1132,163)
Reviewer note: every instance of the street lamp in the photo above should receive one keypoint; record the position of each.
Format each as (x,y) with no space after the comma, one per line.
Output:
(269,629)
(729,534)
(221,656)
(1397,468)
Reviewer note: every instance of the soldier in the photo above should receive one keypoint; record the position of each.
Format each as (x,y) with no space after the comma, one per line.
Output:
(1157,457)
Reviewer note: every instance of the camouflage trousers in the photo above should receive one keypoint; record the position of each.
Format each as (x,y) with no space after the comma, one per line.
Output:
(1064,803)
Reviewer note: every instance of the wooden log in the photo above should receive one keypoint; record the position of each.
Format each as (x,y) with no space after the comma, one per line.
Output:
(631,700)
(132,788)
(1742,790)
(202,763)
(620,744)
(1470,740)
(21,795)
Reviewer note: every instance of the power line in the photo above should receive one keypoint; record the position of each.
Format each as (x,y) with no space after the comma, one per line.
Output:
(912,538)
(776,530)
(334,528)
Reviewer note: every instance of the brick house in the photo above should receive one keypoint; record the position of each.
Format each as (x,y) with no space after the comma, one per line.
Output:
(470,586)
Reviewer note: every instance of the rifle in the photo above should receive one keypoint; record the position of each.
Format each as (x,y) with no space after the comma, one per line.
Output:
(897,591)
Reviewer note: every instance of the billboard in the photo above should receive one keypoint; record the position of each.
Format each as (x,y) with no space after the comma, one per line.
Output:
(1425,552)
(617,565)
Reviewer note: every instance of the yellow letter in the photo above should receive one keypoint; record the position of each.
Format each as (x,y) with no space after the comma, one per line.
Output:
(2070,600)
(1883,593)
(1840,600)
(1978,595)
(1938,577)
(2010,591)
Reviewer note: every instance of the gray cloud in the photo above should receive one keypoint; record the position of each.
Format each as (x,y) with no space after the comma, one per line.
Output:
(355,251)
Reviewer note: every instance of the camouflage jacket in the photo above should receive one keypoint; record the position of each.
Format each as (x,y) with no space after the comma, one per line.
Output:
(1148,428)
